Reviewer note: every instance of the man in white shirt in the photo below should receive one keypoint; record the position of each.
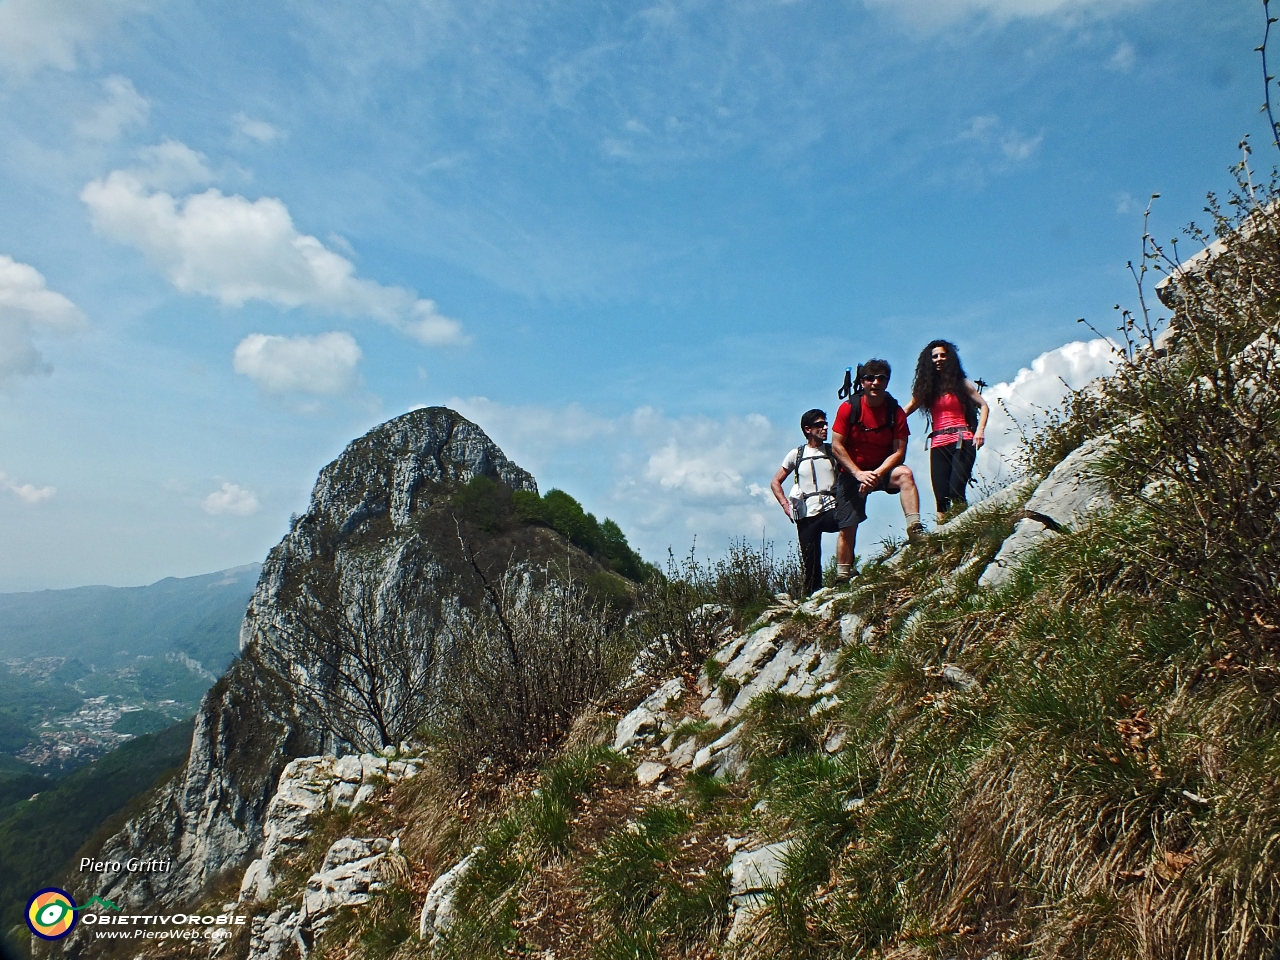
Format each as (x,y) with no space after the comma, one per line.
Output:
(812,500)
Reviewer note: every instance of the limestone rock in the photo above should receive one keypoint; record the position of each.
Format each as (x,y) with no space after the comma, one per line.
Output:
(309,786)
(1068,495)
(650,772)
(348,877)
(438,911)
(751,873)
(648,717)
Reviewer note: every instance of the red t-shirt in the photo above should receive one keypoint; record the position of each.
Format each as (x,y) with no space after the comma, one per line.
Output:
(872,439)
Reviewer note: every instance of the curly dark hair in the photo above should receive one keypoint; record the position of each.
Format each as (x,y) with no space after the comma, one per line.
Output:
(931,383)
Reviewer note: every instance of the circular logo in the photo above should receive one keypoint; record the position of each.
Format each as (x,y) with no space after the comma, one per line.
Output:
(51,914)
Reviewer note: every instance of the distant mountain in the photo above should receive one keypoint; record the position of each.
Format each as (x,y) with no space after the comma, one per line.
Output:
(108,627)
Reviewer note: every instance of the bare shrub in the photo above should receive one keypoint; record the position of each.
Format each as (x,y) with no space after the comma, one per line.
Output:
(521,667)
(362,657)
(1194,416)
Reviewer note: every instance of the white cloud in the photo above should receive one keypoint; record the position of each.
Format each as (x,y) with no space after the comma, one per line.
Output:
(258,130)
(123,108)
(1124,58)
(40,33)
(324,364)
(1017,147)
(980,128)
(231,499)
(27,309)
(988,130)
(535,434)
(703,458)
(929,15)
(237,250)
(1035,390)
(173,166)
(26,492)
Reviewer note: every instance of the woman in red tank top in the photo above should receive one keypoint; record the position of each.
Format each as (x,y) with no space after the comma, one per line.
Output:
(958,418)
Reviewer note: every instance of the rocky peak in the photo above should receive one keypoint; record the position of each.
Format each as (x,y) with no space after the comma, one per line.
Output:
(372,556)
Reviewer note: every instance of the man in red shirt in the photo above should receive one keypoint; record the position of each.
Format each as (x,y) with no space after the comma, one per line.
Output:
(870,445)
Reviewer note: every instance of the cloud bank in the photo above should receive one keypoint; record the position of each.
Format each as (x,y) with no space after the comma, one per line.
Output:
(236,250)
(1034,391)
(27,309)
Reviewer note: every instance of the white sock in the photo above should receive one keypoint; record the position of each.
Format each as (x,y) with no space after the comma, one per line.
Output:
(912,520)
(844,569)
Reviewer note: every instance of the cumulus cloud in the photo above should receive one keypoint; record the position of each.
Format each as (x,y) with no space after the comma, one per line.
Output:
(26,492)
(324,364)
(258,130)
(236,250)
(232,499)
(27,309)
(173,166)
(930,15)
(1037,389)
(123,108)
(704,459)
(54,33)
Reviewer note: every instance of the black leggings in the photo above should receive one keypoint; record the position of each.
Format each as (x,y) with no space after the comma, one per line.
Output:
(811,530)
(950,468)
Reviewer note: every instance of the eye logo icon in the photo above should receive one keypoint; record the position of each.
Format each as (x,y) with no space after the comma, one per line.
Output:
(51,914)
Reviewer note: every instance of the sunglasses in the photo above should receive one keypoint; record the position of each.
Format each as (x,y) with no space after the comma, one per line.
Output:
(815,426)
(878,378)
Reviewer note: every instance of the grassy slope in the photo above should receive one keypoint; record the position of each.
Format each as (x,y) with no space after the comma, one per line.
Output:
(1106,792)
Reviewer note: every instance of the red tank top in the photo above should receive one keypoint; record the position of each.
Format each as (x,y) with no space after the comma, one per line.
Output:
(947,414)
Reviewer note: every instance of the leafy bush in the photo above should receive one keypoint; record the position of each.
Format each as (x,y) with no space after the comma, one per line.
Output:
(604,541)
(1191,419)
(486,503)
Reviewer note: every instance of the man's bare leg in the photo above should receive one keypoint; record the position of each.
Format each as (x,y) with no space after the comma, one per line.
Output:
(904,480)
(844,553)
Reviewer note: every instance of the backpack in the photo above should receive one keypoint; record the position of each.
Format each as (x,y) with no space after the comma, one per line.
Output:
(852,390)
(800,500)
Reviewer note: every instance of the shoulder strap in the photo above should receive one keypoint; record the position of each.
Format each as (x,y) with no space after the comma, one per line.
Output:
(796,468)
(890,419)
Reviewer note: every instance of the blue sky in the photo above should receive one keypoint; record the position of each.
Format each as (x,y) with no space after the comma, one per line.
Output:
(632,242)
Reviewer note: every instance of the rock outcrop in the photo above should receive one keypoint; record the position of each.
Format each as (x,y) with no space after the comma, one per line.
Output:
(1071,493)
(371,547)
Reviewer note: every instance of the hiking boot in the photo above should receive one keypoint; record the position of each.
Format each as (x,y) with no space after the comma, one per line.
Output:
(915,532)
